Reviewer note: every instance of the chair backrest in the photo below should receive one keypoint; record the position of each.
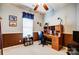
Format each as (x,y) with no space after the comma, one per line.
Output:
(40,35)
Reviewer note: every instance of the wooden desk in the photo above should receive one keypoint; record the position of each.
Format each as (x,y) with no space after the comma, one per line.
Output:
(56,41)
(48,35)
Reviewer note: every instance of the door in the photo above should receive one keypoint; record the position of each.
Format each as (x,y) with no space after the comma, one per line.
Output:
(1,42)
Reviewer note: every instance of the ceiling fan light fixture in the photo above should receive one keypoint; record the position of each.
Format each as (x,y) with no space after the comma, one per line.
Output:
(45,6)
(36,7)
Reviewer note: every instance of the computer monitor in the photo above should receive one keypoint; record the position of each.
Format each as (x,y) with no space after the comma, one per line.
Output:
(76,36)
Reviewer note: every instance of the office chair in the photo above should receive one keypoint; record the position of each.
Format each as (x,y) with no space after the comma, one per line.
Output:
(41,38)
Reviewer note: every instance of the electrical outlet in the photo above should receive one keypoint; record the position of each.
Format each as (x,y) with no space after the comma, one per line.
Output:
(19,40)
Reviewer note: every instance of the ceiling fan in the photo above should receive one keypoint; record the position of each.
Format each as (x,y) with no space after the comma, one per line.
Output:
(44,5)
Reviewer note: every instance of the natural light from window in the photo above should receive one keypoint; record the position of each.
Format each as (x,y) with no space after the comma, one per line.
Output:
(27,27)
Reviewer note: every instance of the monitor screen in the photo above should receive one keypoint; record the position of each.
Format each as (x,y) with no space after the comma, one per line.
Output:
(76,36)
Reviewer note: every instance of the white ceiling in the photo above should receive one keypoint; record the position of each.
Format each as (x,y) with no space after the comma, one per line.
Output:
(51,6)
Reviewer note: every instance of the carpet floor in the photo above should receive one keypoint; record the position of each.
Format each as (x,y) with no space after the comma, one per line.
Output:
(34,49)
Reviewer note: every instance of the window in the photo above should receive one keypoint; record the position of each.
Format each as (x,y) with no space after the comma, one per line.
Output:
(27,27)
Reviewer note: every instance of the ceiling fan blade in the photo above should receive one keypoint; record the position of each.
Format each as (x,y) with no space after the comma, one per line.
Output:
(45,6)
(36,7)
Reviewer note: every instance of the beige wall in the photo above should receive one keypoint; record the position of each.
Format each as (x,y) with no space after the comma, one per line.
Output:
(11,9)
(77,22)
(7,10)
(38,18)
(68,15)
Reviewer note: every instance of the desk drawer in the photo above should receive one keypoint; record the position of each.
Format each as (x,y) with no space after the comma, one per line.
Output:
(56,47)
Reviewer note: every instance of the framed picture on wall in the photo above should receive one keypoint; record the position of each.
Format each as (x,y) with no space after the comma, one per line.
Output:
(12,21)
